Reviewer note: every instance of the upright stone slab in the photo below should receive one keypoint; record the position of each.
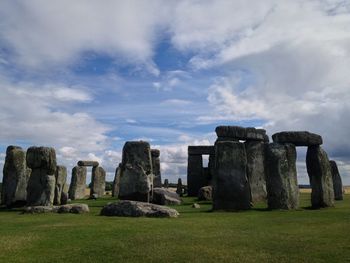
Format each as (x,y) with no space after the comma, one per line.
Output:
(98,181)
(320,174)
(116,181)
(231,190)
(78,183)
(157,179)
(15,177)
(256,170)
(195,178)
(42,181)
(136,178)
(166,183)
(337,183)
(179,188)
(281,176)
(61,177)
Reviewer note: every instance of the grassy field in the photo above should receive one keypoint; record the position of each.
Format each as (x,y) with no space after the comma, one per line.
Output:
(198,235)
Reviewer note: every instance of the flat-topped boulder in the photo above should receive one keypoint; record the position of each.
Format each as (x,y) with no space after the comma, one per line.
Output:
(163,196)
(88,163)
(235,133)
(137,209)
(62,209)
(298,138)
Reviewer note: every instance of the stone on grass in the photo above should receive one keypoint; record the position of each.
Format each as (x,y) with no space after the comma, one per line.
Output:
(116,181)
(74,209)
(61,176)
(98,181)
(195,205)
(163,196)
(78,183)
(205,193)
(137,209)
(337,182)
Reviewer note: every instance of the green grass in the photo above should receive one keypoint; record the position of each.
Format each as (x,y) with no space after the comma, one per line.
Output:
(198,235)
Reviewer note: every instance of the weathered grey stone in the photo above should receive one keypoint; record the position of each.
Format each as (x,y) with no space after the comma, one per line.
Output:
(78,183)
(162,196)
(136,177)
(201,150)
(195,205)
(195,177)
(137,209)
(61,177)
(179,187)
(98,181)
(157,178)
(234,133)
(298,138)
(73,208)
(166,183)
(116,181)
(88,163)
(42,181)
(337,182)
(256,170)
(281,176)
(38,209)
(205,193)
(15,177)
(320,174)
(231,189)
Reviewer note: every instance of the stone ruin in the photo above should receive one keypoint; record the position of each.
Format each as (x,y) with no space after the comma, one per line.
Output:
(78,181)
(157,178)
(247,169)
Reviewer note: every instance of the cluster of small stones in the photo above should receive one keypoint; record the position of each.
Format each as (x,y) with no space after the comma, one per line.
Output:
(247,169)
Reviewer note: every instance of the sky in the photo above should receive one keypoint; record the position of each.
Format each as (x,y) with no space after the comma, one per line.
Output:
(85,76)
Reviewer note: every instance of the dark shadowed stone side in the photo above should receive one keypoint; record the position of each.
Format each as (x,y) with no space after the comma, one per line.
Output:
(78,183)
(42,181)
(136,178)
(166,183)
(61,176)
(116,181)
(233,133)
(179,187)
(281,176)
(256,169)
(298,138)
(231,189)
(337,182)
(98,181)
(195,177)
(320,174)
(205,193)
(157,179)
(15,177)
(163,196)
(88,163)
(137,209)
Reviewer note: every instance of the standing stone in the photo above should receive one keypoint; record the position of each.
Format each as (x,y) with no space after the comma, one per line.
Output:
(116,181)
(281,176)
(179,187)
(98,181)
(78,183)
(61,176)
(136,177)
(15,177)
(231,189)
(337,183)
(166,183)
(157,179)
(320,174)
(42,181)
(195,178)
(256,170)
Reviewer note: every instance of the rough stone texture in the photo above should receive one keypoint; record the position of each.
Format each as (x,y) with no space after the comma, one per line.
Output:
(166,183)
(116,181)
(200,150)
(195,177)
(179,187)
(320,174)
(337,182)
(78,183)
(205,193)
(231,189)
(64,198)
(162,196)
(281,176)
(137,209)
(42,181)
(15,177)
(298,138)
(256,170)
(235,133)
(157,179)
(211,168)
(136,177)
(61,176)
(72,208)
(88,163)
(98,181)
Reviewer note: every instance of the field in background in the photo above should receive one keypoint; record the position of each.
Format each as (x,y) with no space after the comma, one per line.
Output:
(198,235)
